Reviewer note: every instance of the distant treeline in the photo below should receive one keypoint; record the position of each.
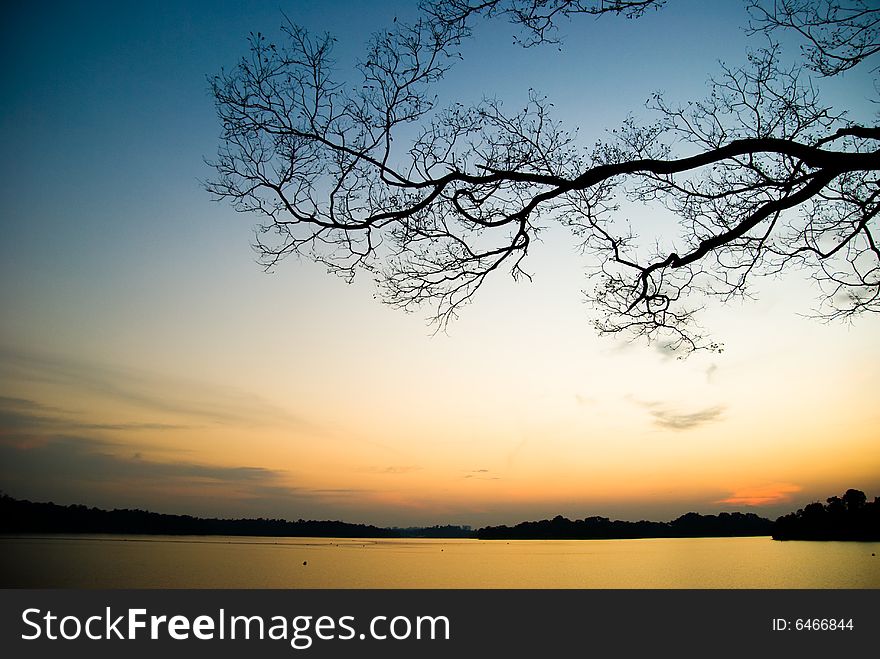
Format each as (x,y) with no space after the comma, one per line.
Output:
(850,517)
(445,531)
(17,516)
(691,525)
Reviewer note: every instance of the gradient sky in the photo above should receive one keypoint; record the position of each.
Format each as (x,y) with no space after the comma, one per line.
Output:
(147,360)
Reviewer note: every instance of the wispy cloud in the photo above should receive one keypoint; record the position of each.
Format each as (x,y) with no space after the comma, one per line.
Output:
(763,495)
(101,443)
(394,469)
(196,402)
(23,415)
(669,418)
(711,370)
(340,491)
(481,474)
(32,406)
(677,421)
(666,349)
(77,469)
(515,451)
(75,459)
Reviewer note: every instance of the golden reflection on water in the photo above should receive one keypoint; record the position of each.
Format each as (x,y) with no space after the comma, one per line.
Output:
(235,562)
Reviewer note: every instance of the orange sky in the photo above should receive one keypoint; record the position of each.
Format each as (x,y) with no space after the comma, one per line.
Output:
(406,428)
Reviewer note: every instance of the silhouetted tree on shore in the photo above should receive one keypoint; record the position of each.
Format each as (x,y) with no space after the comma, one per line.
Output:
(431,200)
(850,517)
(17,516)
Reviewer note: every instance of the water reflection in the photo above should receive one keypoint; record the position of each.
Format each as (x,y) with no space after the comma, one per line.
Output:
(236,562)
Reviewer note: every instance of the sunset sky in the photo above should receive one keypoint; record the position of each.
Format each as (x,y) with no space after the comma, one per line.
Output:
(146,360)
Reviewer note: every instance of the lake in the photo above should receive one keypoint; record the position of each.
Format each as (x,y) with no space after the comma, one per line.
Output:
(246,562)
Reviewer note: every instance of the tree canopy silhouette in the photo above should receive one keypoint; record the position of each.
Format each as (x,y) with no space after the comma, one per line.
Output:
(851,517)
(432,199)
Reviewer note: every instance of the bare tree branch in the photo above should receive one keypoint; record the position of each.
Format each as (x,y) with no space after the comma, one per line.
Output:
(840,34)
(761,175)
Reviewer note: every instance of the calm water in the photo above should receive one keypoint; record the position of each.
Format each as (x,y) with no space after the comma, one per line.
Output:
(227,562)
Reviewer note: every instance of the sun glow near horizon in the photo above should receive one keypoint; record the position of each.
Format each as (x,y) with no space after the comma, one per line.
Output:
(390,452)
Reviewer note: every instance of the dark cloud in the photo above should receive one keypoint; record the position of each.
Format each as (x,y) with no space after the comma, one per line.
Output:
(84,470)
(23,404)
(28,416)
(133,426)
(83,459)
(75,456)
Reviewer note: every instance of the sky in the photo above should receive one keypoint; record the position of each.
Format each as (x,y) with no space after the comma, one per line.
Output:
(147,360)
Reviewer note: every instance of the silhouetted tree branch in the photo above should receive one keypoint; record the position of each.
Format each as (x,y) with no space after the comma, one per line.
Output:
(538,18)
(432,200)
(839,34)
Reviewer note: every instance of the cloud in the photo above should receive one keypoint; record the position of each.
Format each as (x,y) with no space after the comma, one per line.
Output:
(710,372)
(73,452)
(51,453)
(515,451)
(481,474)
(82,460)
(665,348)
(339,491)
(23,404)
(29,416)
(200,402)
(133,426)
(76,469)
(394,469)
(670,419)
(676,421)
(764,495)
